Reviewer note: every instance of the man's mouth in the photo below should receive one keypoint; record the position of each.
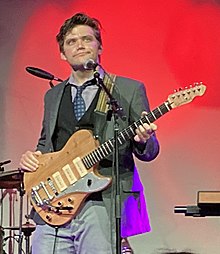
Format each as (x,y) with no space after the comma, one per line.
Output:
(81,54)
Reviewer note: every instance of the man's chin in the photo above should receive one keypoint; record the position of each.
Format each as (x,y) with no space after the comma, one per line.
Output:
(80,61)
(78,67)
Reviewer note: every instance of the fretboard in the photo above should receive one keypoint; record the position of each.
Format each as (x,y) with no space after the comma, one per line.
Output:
(107,147)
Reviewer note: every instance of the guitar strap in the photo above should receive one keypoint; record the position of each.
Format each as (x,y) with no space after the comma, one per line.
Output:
(102,104)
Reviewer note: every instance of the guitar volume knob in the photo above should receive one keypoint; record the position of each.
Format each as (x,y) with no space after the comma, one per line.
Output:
(48,217)
(70,200)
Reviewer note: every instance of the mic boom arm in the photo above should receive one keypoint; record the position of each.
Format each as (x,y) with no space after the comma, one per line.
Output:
(43,74)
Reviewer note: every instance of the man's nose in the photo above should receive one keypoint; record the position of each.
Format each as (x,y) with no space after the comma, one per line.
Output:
(80,43)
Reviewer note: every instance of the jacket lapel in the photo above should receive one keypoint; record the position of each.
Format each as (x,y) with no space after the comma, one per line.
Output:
(56,99)
(100,123)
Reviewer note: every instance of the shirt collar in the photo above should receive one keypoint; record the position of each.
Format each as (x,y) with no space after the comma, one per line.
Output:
(72,80)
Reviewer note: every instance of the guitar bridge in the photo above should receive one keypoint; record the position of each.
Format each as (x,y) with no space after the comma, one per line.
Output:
(37,193)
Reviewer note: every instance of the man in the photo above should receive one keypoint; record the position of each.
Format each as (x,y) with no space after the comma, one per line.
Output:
(91,231)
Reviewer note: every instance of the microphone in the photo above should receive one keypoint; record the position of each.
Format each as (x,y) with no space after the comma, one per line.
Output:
(42,74)
(90,65)
(4,162)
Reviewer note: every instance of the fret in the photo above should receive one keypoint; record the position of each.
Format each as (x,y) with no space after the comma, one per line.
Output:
(138,122)
(95,156)
(131,129)
(167,106)
(125,139)
(85,162)
(91,158)
(111,142)
(164,109)
(98,155)
(160,111)
(101,152)
(89,162)
(146,118)
(135,124)
(157,113)
(129,132)
(126,132)
(152,113)
(141,121)
(120,140)
(97,150)
(108,147)
(103,146)
(151,118)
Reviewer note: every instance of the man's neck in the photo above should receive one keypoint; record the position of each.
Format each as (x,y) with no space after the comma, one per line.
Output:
(80,77)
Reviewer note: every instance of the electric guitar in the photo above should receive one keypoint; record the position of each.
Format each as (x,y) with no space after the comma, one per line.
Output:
(66,178)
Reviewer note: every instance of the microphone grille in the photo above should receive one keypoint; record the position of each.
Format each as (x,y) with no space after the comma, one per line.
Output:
(90,64)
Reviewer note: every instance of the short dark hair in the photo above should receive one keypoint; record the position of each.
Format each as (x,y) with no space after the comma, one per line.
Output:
(78,19)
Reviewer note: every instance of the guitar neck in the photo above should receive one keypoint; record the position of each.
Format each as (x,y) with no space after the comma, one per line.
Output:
(107,147)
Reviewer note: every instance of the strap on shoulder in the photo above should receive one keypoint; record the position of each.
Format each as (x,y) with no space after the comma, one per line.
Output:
(102,104)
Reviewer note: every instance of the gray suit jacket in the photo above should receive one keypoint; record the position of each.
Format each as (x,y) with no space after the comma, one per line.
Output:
(131,95)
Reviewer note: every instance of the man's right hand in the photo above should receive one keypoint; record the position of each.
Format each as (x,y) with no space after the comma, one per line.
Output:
(29,161)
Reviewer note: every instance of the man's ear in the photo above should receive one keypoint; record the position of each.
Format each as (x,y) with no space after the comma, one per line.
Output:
(100,49)
(62,56)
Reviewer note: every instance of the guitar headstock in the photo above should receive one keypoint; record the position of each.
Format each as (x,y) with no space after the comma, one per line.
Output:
(186,95)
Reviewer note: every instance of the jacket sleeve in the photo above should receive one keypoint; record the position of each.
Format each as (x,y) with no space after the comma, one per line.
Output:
(140,103)
(42,140)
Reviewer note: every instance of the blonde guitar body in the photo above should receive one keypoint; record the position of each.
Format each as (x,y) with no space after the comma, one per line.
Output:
(62,182)
(64,179)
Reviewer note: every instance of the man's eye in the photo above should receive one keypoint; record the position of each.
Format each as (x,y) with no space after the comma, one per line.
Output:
(71,42)
(87,39)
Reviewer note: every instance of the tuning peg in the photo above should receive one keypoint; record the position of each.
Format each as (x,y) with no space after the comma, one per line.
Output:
(188,91)
(178,90)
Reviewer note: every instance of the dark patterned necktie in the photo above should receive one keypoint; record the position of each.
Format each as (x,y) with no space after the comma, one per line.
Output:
(79,105)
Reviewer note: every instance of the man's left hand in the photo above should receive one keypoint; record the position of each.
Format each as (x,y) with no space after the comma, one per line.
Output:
(144,131)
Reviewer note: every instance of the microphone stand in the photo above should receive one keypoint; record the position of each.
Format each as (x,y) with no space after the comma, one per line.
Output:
(117,112)
(22,192)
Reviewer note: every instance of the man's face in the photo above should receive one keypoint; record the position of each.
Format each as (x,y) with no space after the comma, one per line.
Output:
(80,44)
